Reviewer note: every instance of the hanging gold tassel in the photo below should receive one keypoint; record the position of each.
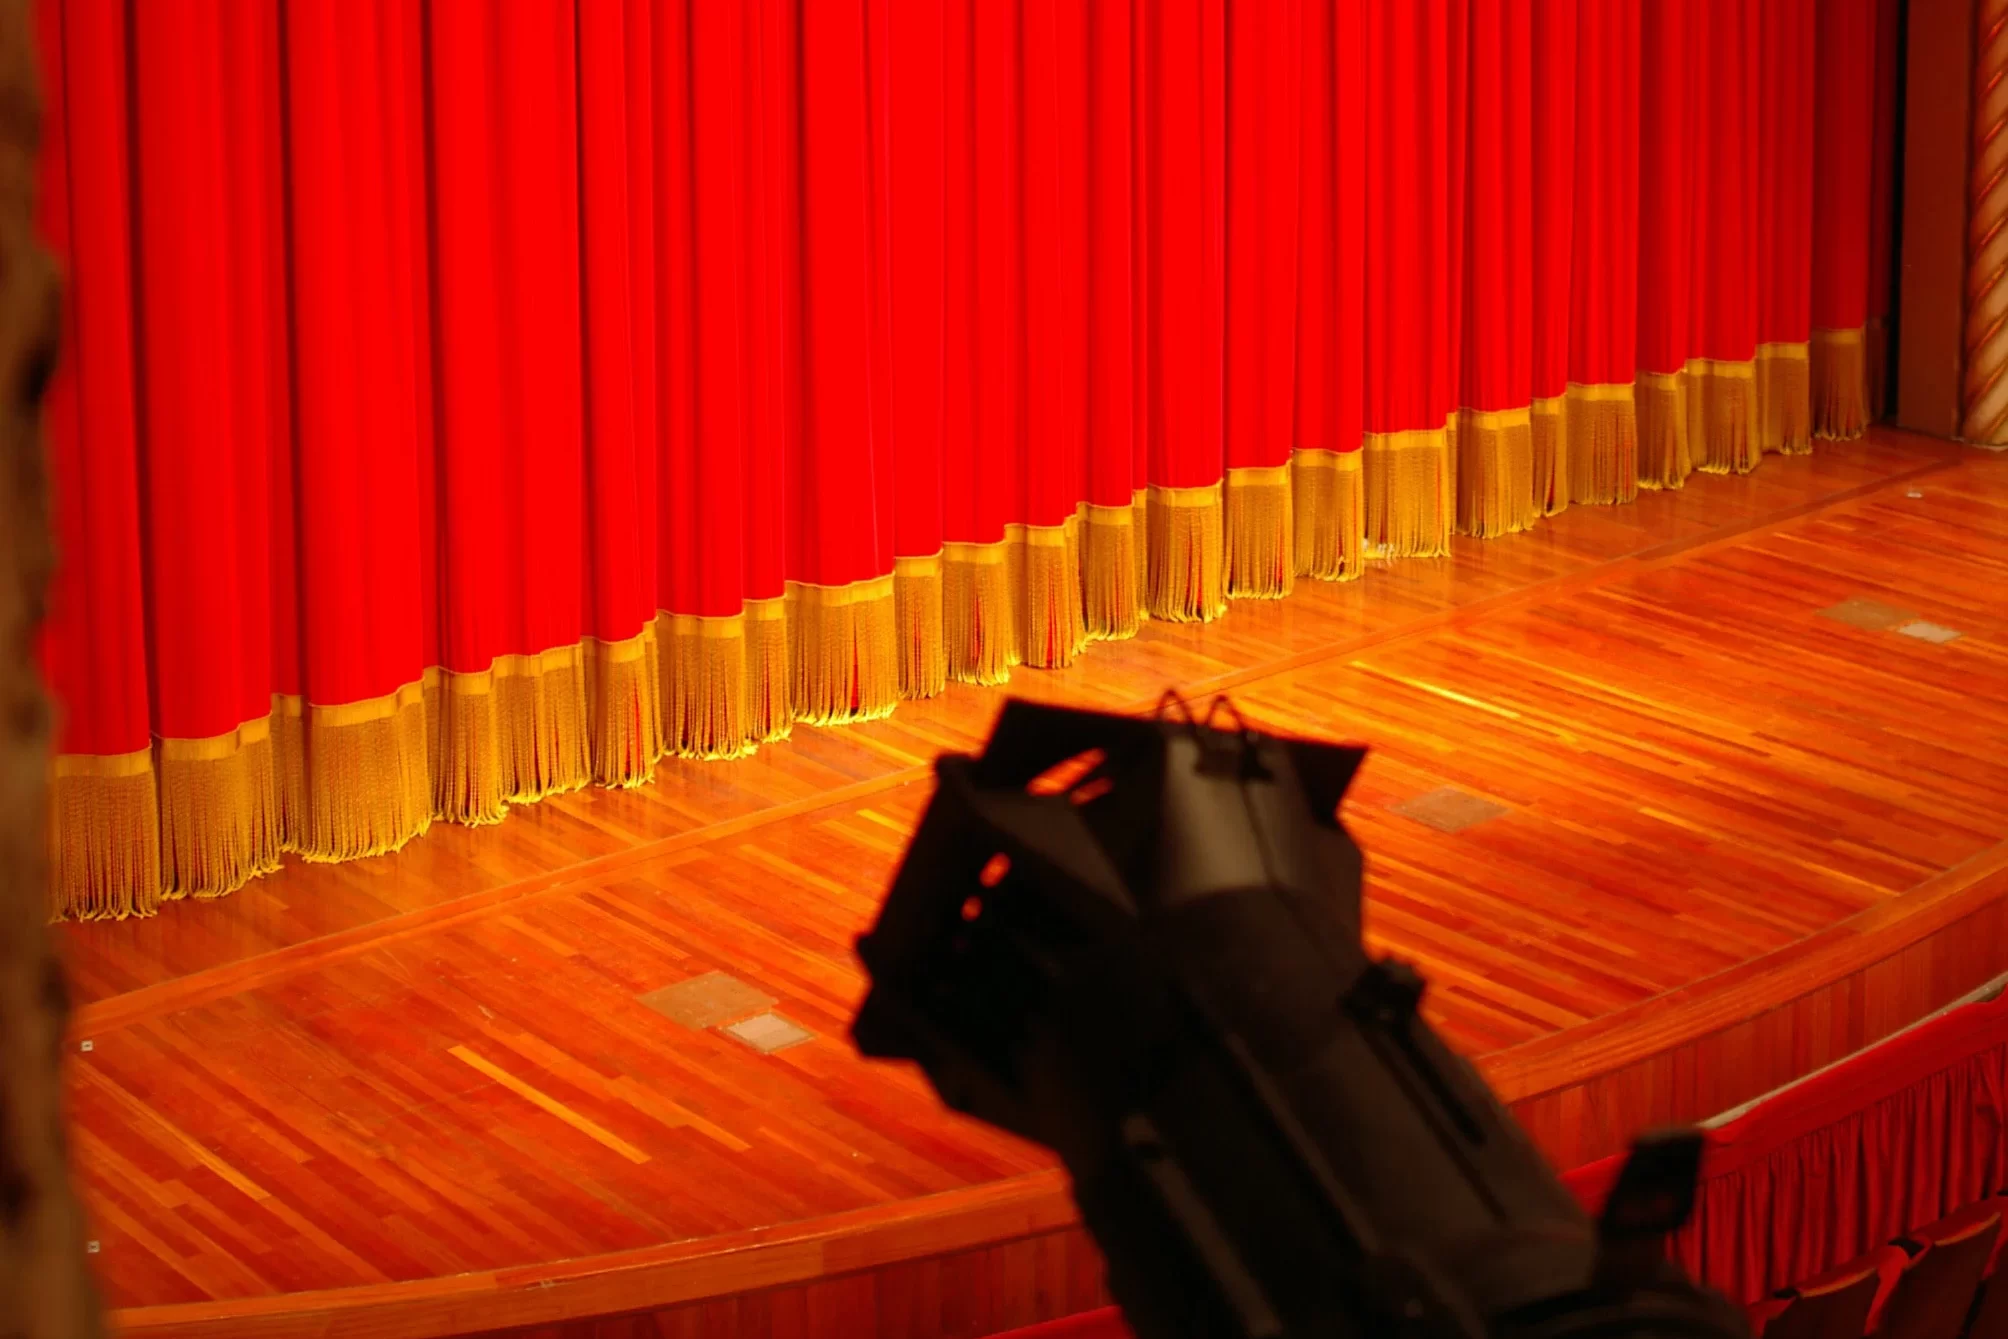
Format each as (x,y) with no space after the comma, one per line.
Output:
(704,683)
(1495,471)
(1840,390)
(1051,622)
(1549,423)
(1014,582)
(1111,572)
(1186,582)
(1140,514)
(365,787)
(978,635)
(623,696)
(1258,532)
(916,617)
(841,641)
(1875,364)
(1328,524)
(1603,436)
(1722,415)
(1411,490)
(466,749)
(770,714)
(219,811)
(512,733)
(541,703)
(1665,453)
(1784,400)
(105,836)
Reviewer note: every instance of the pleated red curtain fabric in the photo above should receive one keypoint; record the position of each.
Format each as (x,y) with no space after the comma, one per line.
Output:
(465,402)
(1885,1143)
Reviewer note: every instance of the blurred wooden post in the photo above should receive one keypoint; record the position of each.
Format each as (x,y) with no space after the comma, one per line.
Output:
(45,1286)
(1986,373)
(1937,144)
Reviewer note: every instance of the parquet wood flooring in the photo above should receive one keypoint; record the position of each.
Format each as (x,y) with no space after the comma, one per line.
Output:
(437,1062)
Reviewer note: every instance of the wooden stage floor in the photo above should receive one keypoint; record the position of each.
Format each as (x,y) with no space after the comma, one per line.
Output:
(437,1062)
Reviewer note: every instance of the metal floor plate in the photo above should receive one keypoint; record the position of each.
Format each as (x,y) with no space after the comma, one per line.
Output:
(1870,614)
(1448,809)
(706,1001)
(769,1033)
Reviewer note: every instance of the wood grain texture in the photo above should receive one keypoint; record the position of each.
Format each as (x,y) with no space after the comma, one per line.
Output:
(420,1094)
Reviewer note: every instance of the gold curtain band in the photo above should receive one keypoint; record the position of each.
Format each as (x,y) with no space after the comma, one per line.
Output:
(212,747)
(622,651)
(1410,439)
(1489,420)
(1608,390)
(722,627)
(1258,476)
(369,709)
(832,597)
(531,666)
(1040,536)
(1838,338)
(1120,514)
(1317,458)
(1203,495)
(974,553)
(918,565)
(772,609)
(1545,405)
(1742,369)
(137,763)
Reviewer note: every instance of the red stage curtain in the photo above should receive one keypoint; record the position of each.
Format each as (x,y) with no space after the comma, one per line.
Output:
(466,402)
(1599,417)
(1783,219)
(1891,1140)
(1329,521)
(1850,96)
(1884,1143)
(1883,205)
(1107,1323)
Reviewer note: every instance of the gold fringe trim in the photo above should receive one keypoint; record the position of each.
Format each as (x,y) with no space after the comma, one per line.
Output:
(1549,421)
(623,697)
(704,683)
(200,817)
(770,713)
(1140,523)
(1112,569)
(1411,490)
(219,811)
(1722,415)
(1602,425)
(1495,471)
(1784,400)
(105,836)
(1329,523)
(1183,532)
(916,618)
(979,636)
(1258,532)
(1665,455)
(356,776)
(841,644)
(1052,625)
(1875,360)
(1840,383)
(510,734)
